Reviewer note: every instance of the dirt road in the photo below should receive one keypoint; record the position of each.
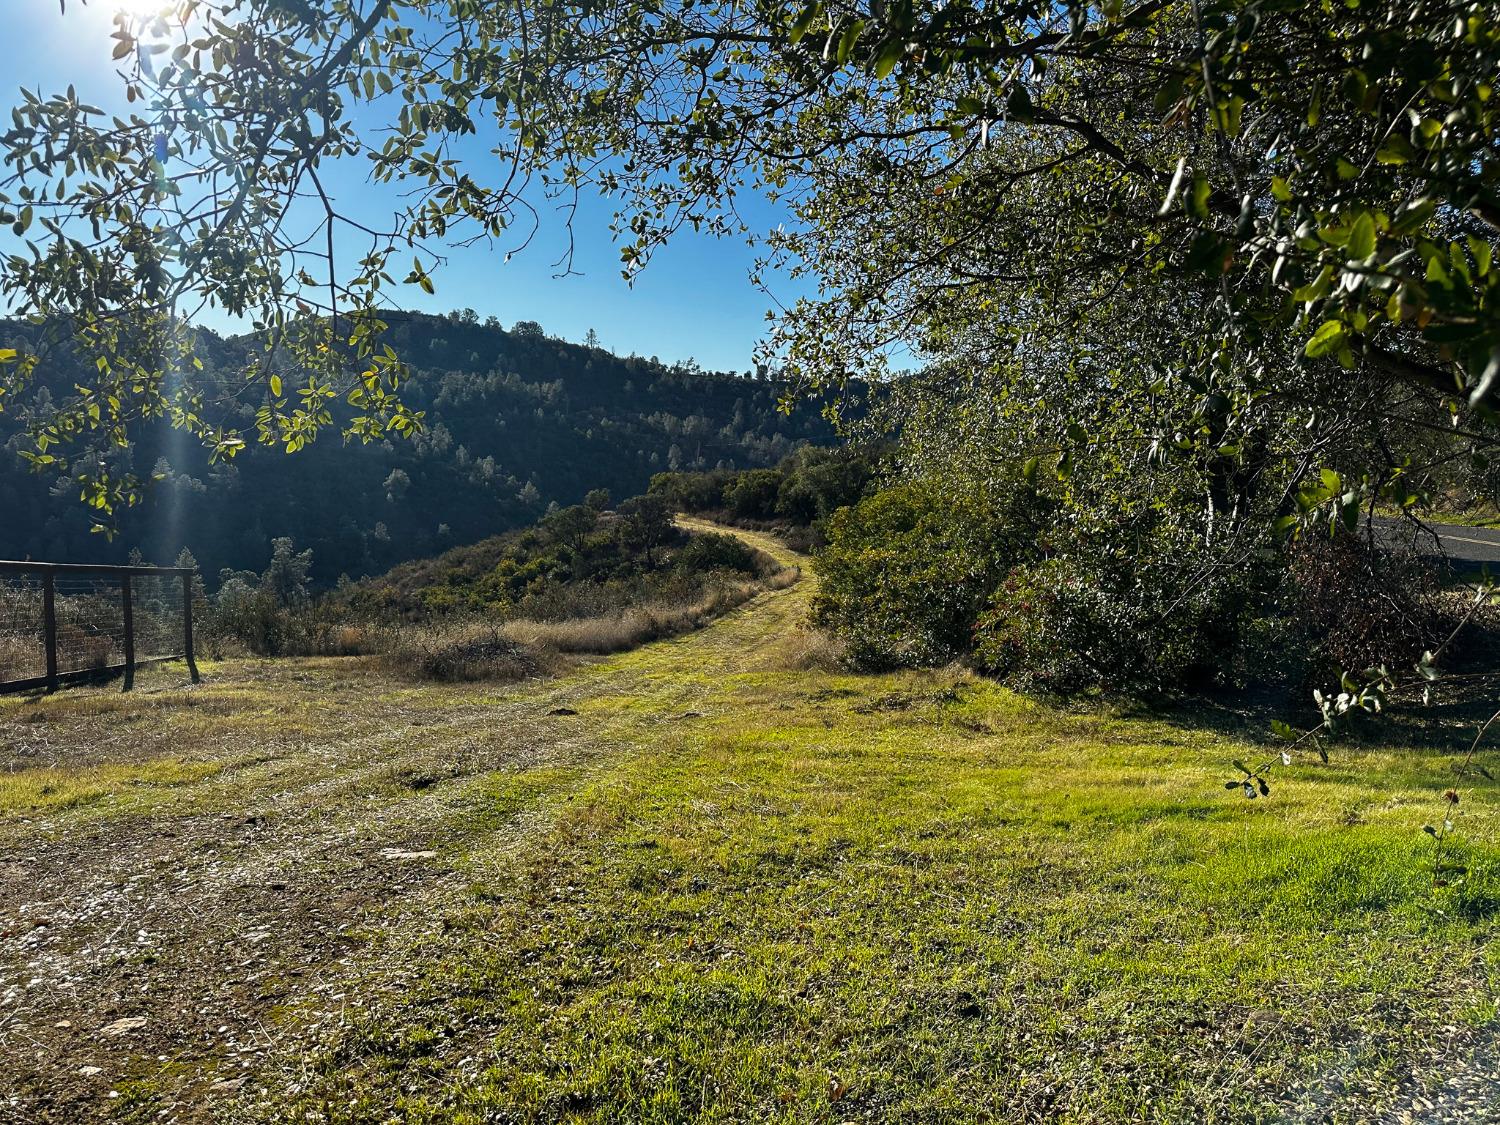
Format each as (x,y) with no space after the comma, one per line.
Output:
(208,856)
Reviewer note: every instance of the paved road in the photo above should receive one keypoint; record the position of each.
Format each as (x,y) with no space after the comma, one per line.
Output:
(1474,545)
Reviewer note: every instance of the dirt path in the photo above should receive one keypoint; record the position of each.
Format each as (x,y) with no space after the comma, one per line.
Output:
(227,851)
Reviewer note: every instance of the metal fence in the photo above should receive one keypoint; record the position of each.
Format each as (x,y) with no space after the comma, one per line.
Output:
(64,623)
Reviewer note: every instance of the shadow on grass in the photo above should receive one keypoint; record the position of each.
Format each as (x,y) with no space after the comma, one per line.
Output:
(1447,724)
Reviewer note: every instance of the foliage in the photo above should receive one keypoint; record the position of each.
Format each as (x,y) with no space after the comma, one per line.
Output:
(275,613)
(1322,179)
(501,412)
(580,580)
(803,490)
(907,570)
(1079,621)
(1353,605)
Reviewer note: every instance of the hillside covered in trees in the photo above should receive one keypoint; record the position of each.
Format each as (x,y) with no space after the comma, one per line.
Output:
(514,421)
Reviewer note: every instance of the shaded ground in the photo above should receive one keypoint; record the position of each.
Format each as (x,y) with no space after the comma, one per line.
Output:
(722,889)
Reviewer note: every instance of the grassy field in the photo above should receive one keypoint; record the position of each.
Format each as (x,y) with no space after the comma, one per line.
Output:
(696,882)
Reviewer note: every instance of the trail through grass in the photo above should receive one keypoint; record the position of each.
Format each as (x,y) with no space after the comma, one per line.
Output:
(720,890)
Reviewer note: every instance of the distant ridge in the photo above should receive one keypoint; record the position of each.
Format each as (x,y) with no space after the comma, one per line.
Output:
(516,420)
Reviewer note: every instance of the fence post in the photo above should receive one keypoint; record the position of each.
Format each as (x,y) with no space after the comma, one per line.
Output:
(187,624)
(129,612)
(49,627)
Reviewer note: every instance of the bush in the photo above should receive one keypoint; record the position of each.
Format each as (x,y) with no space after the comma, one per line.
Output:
(692,492)
(1136,598)
(752,495)
(707,551)
(907,571)
(1067,624)
(805,489)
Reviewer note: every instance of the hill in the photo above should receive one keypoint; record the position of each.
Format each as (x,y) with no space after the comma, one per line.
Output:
(515,421)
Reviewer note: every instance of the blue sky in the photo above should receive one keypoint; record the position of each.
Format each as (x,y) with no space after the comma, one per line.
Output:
(694,300)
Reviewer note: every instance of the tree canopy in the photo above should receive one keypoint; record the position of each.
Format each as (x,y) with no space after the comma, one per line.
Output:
(1309,190)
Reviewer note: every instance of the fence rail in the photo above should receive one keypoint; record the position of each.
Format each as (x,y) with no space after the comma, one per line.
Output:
(63,623)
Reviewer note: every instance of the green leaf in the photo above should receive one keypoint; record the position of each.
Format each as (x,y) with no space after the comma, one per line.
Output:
(1197,201)
(1018,105)
(1396,150)
(804,21)
(276,386)
(848,39)
(1328,339)
(1227,115)
(1206,254)
(1362,237)
(1482,255)
(889,56)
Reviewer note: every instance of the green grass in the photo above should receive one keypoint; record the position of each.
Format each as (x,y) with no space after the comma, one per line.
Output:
(795,913)
(49,790)
(726,891)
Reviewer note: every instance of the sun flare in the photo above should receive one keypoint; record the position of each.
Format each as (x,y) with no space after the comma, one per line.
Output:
(141,8)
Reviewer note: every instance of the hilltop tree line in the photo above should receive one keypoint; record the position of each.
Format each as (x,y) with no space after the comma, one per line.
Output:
(514,423)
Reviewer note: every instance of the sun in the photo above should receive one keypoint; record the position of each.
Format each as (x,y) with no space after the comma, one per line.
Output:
(141,8)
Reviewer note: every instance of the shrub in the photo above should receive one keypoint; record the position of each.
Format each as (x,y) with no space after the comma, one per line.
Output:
(692,492)
(752,494)
(907,571)
(818,482)
(1152,616)
(707,551)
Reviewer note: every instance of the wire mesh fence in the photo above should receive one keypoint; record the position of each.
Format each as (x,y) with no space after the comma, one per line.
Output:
(62,623)
(21,630)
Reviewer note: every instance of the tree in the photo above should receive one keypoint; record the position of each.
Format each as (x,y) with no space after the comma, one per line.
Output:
(396,485)
(1317,184)
(186,560)
(286,578)
(572,525)
(646,524)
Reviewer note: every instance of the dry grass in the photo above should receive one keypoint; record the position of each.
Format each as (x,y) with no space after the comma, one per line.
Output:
(513,650)
(807,649)
(456,653)
(630,628)
(20,656)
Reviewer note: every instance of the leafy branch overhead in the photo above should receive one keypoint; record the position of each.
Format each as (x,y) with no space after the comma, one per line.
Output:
(1328,173)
